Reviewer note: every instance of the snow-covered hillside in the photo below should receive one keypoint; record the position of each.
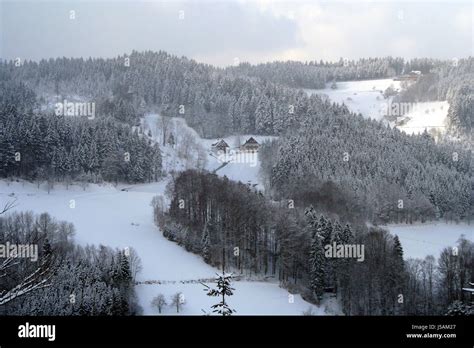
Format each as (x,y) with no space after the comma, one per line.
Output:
(421,240)
(431,116)
(122,217)
(365,97)
(244,167)
(418,240)
(109,216)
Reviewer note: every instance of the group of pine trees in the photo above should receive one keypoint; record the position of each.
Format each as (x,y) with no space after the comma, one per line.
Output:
(241,99)
(324,272)
(71,280)
(378,173)
(44,146)
(213,101)
(316,75)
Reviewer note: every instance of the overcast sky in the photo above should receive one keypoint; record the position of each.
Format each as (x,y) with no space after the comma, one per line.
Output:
(217,32)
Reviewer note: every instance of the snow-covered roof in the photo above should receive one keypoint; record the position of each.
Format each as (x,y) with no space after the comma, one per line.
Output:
(251,140)
(221,143)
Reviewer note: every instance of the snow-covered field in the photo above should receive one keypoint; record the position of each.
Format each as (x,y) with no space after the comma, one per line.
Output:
(250,298)
(421,240)
(365,97)
(107,215)
(431,116)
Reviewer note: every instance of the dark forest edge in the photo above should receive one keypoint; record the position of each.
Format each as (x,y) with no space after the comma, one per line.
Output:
(233,226)
(66,279)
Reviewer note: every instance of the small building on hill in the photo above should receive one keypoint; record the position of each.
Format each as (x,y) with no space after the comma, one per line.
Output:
(220,146)
(251,145)
(411,76)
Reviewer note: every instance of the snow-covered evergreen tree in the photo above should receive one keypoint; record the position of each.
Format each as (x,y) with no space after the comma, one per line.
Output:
(224,289)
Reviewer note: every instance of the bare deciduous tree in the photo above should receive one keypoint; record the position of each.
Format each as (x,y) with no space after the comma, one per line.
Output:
(159,302)
(178,301)
(165,122)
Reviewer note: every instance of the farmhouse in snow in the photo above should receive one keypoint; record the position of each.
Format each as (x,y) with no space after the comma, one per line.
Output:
(220,146)
(251,145)
(411,76)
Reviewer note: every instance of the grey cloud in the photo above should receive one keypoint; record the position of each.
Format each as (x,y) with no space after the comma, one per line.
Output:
(217,31)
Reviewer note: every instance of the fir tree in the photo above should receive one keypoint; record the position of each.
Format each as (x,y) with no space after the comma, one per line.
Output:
(224,289)
(206,242)
(317,266)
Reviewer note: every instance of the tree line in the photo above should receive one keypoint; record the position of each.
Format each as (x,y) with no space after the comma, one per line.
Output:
(235,227)
(213,101)
(316,75)
(67,279)
(363,169)
(44,146)
(451,81)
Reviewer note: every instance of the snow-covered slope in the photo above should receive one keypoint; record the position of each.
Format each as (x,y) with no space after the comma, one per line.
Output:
(365,97)
(122,217)
(107,215)
(431,116)
(421,240)
(244,167)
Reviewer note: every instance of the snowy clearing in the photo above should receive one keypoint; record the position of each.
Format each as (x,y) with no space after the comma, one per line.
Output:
(109,216)
(365,97)
(431,116)
(241,167)
(250,298)
(421,240)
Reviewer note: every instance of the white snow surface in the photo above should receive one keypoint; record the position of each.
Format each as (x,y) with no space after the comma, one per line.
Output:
(420,240)
(432,116)
(109,216)
(365,97)
(244,167)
